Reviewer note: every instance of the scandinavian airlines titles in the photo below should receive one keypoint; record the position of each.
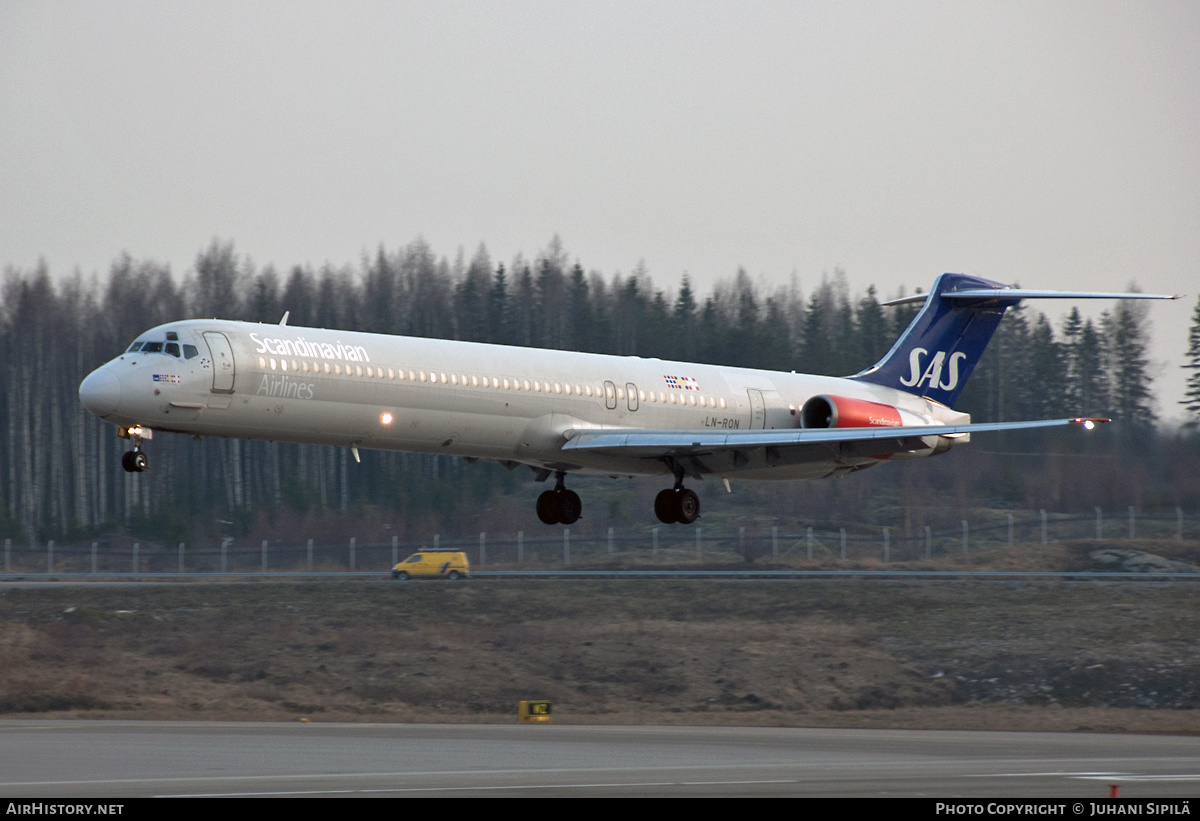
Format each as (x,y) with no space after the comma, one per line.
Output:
(311,350)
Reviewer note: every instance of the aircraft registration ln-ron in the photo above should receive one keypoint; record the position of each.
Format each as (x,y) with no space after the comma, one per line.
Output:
(559,412)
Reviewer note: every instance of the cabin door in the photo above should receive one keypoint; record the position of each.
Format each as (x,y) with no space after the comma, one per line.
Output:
(758,410)
(222,359)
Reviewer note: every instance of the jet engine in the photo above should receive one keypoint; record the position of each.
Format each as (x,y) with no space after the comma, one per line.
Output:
(829,411)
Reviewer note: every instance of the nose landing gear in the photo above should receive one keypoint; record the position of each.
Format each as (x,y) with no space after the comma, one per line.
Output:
(559,506)
(136,460)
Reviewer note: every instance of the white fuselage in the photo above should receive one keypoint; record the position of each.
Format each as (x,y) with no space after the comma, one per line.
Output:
(495,402)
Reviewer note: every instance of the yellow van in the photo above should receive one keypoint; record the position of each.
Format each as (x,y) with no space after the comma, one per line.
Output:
(434,564)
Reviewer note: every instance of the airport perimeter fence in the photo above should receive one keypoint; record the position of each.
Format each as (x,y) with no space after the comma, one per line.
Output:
(559,547)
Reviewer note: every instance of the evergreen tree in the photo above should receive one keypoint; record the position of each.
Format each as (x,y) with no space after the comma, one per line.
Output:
(523,306)
(217,282)
(299,297)
(264,297)
(1132,400)
(1091,379)
(744,337)
(872,336)
(472,318)
(1072,329)
(1047,372)
(579,326)
(817,347)
(501,328)
(683,319)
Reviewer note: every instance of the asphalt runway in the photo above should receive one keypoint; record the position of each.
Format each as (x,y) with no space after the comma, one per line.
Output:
(102,759)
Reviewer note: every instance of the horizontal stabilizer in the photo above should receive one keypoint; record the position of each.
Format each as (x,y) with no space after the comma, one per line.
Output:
(975,294)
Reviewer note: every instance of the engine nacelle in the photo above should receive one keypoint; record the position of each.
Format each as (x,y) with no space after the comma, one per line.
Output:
(828,411)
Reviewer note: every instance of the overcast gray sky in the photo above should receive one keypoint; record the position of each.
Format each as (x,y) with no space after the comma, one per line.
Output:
(1052,143)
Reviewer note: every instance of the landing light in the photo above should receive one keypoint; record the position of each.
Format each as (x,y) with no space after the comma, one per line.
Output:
(1088,424)
(385,418)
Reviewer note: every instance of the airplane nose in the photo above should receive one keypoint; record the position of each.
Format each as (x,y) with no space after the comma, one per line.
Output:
(100,392)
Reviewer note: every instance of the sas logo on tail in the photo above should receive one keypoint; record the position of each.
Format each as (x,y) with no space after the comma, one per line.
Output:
(932,375)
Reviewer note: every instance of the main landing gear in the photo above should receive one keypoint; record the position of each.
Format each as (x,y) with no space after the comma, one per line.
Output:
(677,504)
(559,506)
(563,507)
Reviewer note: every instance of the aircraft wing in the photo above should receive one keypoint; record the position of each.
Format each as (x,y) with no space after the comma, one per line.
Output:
(659,443)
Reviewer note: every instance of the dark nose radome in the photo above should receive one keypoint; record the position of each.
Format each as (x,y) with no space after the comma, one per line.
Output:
(100,392)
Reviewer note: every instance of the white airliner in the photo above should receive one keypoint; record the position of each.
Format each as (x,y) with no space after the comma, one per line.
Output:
(560,412)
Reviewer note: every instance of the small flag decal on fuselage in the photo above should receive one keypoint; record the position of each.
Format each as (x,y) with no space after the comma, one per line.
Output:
(681,383)
(167,377)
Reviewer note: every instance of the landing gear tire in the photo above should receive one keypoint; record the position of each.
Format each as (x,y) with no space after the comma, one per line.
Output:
(664,507)
(687,504)
(559,507)
(135,461)
(682,506)
(546,508)
(569,507)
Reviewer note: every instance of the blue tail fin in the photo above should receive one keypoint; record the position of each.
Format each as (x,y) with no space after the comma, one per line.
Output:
(944,343)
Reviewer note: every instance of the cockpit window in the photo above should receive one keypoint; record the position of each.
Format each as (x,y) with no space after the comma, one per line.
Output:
(189,351)
(152,347)
(173,349)
(136,346)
